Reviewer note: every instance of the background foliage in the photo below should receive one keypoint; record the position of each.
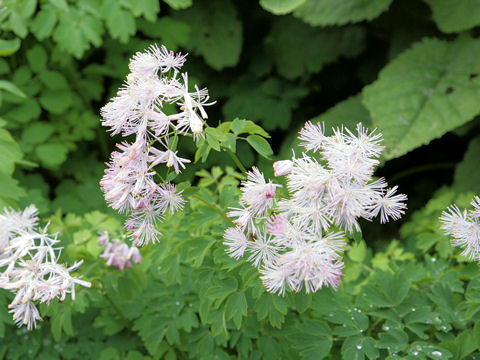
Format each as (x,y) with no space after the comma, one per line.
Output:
(407,67)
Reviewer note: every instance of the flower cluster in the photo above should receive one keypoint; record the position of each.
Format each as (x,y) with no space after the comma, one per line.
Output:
(139,109)
(117,253)
(464,228)
(28,260)
(295,241)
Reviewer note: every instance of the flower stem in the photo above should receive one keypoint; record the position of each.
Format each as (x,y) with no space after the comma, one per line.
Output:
(215,208)
(237,161)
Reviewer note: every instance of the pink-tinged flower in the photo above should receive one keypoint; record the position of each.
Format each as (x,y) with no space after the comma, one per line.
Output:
(236,242)
(276,277)
(257,194)
(120,255)
(169,199)
(30,265)
(168,59)
(244,218)
(276,225)
(282,167)
(167,157)
(312,136)
(464,228)
(390,205)
(25,314)
(143,222)
(262,249)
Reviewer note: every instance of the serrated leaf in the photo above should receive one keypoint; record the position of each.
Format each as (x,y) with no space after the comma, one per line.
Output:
(333,12)
(9,47)
(9,187)
(9,152)
(455,16)
(426,91)
(236,308)
(218,32)
(120,23)
(281,7)
(260,145)
(298,48)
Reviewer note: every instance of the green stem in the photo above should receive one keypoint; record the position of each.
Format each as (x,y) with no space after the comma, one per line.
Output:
(215,208)
(127,322)
(237,161)
(421,168)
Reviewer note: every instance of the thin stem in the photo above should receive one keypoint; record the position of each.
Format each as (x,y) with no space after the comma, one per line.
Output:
(237,161)
(215,208)
(421,168)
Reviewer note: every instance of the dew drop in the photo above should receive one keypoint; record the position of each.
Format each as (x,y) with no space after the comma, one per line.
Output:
(344,325)
(387,328)
(177,303)
(331,314)
(415,353)
(436,353)
(359,347)
(413,309)
(434,259)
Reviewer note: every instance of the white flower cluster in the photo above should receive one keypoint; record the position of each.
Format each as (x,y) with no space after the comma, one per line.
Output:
(117,253)
(464,228)
(28,265)
(291,239)
(138,108)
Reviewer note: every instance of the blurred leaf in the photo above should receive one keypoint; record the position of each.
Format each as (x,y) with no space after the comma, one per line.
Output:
(9,47)
(455,16)
(467,172)
(218,32)
(51,154)
(333,12)
(281,7)
(298,48)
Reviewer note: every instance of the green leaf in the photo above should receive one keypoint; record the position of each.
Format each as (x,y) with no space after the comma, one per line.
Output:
(236,308)
(61,4)
(37,132)
(281,7)
(53,80)
(172,33)
(426,91)
(51,154)
(120,23)
(218,32)
(467,172)
(56,101)
(11,88)
(44,22)
(356,347)
(455,16)
(76,31)
(37,58)
(333,12)
(260,145)
(212,138)
(9,187)
(179,4)
(358,251)
(298,48)
(9,47)
(9,152)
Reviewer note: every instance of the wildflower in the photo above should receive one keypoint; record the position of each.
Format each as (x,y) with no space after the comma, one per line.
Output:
(119,254)
(464,228)
(236,242)
(290,238)
(30,266)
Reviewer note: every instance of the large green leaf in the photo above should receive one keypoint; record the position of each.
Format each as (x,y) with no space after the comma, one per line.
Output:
(8,47)
(425,92)
(298,48)
(334,12)
(281,7)
(455,16)
(218,32)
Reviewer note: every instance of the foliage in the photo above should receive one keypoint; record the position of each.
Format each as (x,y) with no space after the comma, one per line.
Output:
(409,68)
